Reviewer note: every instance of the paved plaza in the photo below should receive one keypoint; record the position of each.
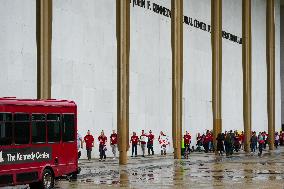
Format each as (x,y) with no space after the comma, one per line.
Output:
(199,171)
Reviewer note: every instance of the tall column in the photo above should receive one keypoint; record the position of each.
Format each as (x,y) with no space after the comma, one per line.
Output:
(123,45)
(43,39)
(177,73)
(246,60)
(216,42)
(270,61)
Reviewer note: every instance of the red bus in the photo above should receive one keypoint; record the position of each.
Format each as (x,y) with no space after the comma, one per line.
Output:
(38,141)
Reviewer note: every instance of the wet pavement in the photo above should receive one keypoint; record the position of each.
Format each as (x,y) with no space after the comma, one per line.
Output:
(199,171)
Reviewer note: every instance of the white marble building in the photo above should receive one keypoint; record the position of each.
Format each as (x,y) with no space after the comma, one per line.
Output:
(84,63)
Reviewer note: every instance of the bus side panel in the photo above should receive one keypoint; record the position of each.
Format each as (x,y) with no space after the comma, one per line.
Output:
(56,162)
(65,158)
(70,157)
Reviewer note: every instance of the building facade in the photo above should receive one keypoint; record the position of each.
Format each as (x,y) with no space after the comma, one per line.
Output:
(84,63)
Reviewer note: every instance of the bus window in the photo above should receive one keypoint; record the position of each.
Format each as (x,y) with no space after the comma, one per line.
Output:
(6,129)
(22,133)
(38,132)
(38,128)
(21,117)
(53,117)
(38,117)
(53,128)
(5,117)
(22,128)
(68,130)
(6,133)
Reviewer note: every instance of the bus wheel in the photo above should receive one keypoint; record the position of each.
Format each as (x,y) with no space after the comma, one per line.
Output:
(47,181)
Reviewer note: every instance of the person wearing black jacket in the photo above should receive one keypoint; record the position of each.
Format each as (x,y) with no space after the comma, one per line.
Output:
(253,142)
(220,143)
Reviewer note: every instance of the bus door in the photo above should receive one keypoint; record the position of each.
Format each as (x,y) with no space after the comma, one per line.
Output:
(54,139)
(69,142)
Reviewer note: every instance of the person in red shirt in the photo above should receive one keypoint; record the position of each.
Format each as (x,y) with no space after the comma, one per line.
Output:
(150,143)
(206,141)
(187,141)
(211,146)
(265,139)
(143,137)
(260,140)
(134,140)
(89,140)
(102,147)
(113,143)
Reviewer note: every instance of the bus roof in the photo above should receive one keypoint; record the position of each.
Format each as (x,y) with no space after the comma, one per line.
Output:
(36,102)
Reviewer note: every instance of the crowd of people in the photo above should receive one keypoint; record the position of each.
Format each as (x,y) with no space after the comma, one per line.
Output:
(227,142)
(144,140)
(230,142)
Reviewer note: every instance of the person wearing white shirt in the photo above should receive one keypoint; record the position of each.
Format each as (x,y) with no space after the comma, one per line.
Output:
(79,144)
(143,138)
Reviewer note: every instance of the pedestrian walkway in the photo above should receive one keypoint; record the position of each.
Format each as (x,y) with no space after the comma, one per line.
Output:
(199,171)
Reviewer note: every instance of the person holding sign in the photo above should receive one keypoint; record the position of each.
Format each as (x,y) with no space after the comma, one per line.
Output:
(143,137)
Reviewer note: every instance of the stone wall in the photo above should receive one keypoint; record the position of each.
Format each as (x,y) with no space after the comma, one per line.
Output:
(84,63)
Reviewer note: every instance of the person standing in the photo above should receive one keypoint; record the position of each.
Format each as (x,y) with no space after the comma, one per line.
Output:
(89,140)
(187,141)
(253,142)
(113,143)
(134,141)
(206,141)
(102,147)
(265,135)
(260,143)
(143,137)
(220,143)
(232,142)
(79,144)
(210,144)
(228,144)
(150,143)
(163,141)
(281,138)
(237,142)
(199,142)
(242,138)
(276,142)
